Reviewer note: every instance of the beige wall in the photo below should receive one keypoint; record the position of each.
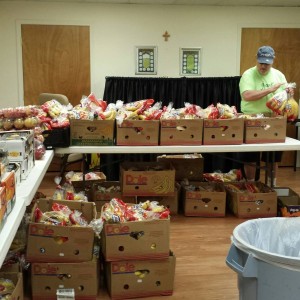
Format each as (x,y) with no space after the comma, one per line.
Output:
(117,29)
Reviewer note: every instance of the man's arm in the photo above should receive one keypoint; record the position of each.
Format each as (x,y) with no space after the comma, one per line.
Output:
(255,95)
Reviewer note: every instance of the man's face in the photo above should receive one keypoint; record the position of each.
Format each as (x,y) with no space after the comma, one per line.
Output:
(263,69)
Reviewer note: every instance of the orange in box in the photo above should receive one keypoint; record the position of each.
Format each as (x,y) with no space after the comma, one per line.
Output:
(223,131)
(10,190)
(181,132)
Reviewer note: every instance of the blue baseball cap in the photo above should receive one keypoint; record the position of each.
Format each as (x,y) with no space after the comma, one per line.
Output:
(265,55)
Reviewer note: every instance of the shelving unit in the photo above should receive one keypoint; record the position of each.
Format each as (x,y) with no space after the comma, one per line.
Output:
(25,191)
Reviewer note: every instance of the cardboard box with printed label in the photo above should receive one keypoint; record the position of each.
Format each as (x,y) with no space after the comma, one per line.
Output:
(3,214)
(187,166)
(103,192)
(223,131)
(138,133)
(92,133)
(147,179)
(8,181)
(148,239)
(245,204)
(204,199)
(181,132)
(288,202)
(265,130)
(140,278)
(17,279)
(52,243)
(54,281)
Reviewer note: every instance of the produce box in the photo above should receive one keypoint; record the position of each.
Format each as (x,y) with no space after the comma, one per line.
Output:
(103,192)
(3,214)
(8,181)
(92,133)
(251,200)
(52,281)
(223,131)
(265,130)
(17,280)
(17,143)
(140,278)
(204,199)
(58,137)
(187,166)
(147,179)
(138,240)
(138,133)
(181,132)
(288,202)
(52,243)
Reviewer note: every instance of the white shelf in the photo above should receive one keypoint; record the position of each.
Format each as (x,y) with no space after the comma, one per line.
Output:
(289,145)
(24,194)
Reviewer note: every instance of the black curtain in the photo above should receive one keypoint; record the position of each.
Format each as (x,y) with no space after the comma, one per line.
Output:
(202,91)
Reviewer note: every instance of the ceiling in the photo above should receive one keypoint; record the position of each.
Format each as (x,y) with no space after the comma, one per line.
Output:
(266,3)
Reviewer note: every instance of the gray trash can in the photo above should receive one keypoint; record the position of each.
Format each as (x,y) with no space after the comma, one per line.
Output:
(265,254)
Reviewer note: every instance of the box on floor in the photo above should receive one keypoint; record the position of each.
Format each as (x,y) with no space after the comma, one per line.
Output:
(288,202)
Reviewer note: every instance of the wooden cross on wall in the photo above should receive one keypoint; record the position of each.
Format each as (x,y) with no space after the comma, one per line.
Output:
(166,35)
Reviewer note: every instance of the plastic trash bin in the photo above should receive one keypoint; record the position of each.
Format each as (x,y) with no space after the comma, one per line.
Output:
(265,254)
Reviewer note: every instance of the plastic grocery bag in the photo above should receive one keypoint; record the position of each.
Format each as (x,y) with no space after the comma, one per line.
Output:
(275,240)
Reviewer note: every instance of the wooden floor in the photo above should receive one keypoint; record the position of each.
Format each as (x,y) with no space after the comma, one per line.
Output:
(201,246)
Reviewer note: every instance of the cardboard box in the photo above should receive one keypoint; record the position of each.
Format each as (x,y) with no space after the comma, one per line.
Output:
(17,143)
(58,137)
(81,279)
(80,185)
(223,131)
(51,243)
(288,202)
(17,279)
(145,278)
(92,133)
(147,179)
(204,199)
(138,133)
(265,130)
(8,181)
(252,205)
(181,132)
(17,169)
(136,240)
(103,192)
(3,214)
(187,166)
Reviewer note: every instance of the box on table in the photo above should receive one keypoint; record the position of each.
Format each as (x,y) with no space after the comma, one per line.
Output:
(181,132)
(147,179)
(17,280)
(3,214)
(92,133)
(103,192)
(86,185)
(57,137)
(223,131)
(8,181)
(148,239)
(265,130)
(138,133)
(288,202)
(53,281)
(140,278)
(246,204)
(52,243)
(26,164)
(17,169)
(187,166)
(17,143)
(171,202)
(204,199)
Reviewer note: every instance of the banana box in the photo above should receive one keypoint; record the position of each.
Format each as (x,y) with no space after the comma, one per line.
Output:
(92,133)
(149,239)
(138,133)
(265,130)
(12,288)
(223,131)
(140,278)
(147,179)
(181,132)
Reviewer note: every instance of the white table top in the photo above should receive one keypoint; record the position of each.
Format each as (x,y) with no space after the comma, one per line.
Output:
(24,194)
(289,145)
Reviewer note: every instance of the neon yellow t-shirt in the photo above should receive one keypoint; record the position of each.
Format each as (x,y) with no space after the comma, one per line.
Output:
(253,80)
